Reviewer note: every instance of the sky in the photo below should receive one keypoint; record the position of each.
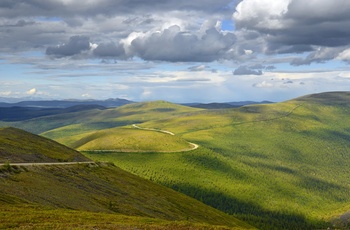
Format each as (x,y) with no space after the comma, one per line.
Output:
(180,51)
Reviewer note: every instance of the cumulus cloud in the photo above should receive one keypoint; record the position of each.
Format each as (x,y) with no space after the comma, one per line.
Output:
(105,7)
(296,26)
(263,84)
(32,91)
(244,70)
(175,45)
(160,30)
(344,55)
(320,55)
(76,45)
(106,50)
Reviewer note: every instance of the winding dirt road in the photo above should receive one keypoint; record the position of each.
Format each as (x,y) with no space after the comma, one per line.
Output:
(48,163)
(193,145)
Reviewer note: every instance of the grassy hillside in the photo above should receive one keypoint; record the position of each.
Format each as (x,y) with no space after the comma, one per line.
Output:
(37,217)
(130,140)
(281,165)
(93,195)
(95,189)
(19,146)
(278,166)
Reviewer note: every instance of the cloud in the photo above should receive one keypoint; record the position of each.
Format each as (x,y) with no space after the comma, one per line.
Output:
(174,45)
(197,68)
(86,95)
(322,54)
(344,55)
(261,26)
(105,7)
(110,50)
(32,91)
(244,70)
(296,26)
(75,46)
(270,68)
(6,93)
(263,84)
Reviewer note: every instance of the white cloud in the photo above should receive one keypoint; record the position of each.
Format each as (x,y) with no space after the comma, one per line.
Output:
(248,52)
(344,55)
(32,91)
(263,13)
(6,93)
(86,95)
(263,84)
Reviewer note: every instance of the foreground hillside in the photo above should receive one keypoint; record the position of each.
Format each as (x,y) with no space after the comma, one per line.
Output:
(101,195)
(19,146)
(97,188)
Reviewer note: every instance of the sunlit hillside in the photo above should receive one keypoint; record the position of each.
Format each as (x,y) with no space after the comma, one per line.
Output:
(282,165)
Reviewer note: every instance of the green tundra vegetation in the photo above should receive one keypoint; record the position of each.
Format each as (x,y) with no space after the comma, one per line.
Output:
(94,195)
(275,166)
(127,140)
(20,146)
(69,195)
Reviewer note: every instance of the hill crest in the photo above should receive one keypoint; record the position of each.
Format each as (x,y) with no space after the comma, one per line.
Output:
(20,146)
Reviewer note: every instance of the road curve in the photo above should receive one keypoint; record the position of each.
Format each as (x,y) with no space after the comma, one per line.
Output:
(195,146)
(156,130)
(48,163)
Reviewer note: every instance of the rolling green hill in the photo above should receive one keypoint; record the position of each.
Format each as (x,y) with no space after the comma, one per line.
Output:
(19,146)
(130,140)
(94,195)
(277,166)
(281,165)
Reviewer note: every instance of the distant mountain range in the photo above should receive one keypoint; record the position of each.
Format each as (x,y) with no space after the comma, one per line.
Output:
(224,105)
(113,102)
(25,110)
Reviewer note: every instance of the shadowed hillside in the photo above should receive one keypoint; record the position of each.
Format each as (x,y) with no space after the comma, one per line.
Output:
(103,188)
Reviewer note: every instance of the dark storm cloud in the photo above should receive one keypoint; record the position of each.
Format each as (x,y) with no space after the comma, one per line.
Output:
(110,50)
(60,8)
(174,45)
(244,70)
(321,55)
(19,23)
(257,66)
(270,67)
(36,24)
(76,45)
(296,26)
(178,31)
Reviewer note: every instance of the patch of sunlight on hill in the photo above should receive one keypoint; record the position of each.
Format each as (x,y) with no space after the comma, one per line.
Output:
(131,140)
